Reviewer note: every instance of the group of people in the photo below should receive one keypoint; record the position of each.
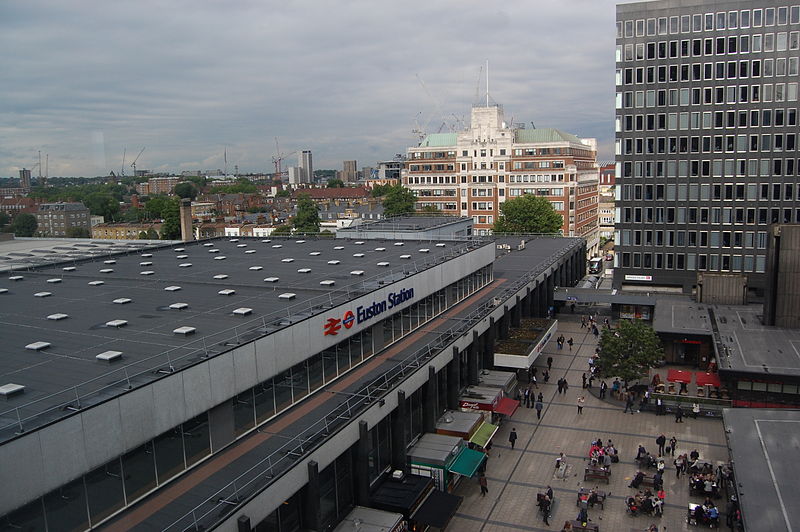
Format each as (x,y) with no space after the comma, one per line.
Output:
(560,341)
(545,501)
(602,455)
(647,502)
(706,514)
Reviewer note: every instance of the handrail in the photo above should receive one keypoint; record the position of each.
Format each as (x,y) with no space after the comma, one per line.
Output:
(75,397)
(214,508)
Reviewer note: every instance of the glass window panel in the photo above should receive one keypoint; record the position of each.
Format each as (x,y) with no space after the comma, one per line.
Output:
(196,439)
(104,490)
(28,518)
(139,471)
(300,380)
(283,390)
(243,412)
(169,455)
(329,364)
(315,372)
(66,507)
(265,400)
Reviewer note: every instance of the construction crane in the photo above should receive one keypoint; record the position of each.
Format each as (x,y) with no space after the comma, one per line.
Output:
(133,164)
(279,157)
(122,169)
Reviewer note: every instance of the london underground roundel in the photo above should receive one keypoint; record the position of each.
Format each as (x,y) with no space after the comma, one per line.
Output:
(349,319)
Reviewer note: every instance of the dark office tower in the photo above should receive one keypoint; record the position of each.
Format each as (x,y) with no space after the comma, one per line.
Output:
(25,179)
(706,142)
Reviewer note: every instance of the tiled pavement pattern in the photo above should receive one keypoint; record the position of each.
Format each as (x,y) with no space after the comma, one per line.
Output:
(515,477)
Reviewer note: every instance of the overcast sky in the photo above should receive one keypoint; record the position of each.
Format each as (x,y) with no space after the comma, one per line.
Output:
(84,80)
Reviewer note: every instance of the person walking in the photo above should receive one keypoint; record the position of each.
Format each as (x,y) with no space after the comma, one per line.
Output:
(661,441)
(678,465)
(540,397)
(569,343)
(603,388)
(560,385)
(695,410)
(678,414)
(484,485)
(527,395)
(583,322)
(581,402)
(628,404)
(546,375)
(550,363)
(533,380)
(566,385)
(539,407)
(512,438)
(584,380)
(673,443)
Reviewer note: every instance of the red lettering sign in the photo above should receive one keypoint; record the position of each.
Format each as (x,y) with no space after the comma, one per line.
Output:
(332,326)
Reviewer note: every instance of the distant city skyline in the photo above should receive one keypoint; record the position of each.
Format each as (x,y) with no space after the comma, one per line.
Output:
(85,81)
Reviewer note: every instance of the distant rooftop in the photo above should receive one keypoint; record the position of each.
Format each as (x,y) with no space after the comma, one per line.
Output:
(29,252)
(439,140)
(544,135)
(408,223)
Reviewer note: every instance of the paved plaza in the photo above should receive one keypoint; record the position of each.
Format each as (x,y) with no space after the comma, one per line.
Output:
(516,476)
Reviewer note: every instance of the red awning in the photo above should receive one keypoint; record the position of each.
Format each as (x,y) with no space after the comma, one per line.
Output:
(678,375)
(507,406)
(707,379)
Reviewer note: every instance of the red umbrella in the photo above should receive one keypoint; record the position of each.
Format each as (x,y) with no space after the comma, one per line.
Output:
(678,375)
(707,379)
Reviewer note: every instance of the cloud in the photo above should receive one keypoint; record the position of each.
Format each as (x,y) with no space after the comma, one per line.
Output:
(83,80)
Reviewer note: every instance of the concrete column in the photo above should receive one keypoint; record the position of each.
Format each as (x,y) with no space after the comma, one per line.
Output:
(362,461)
(472,359)
(243,524)
(503,324)
(549,292)
(453,380)
(516,315)
(541,290)
(400,433)
(430,398)
(312,502)
(488,347)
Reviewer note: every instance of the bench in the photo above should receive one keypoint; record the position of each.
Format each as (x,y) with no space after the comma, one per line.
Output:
(597,473)
(590,527)
(584,493)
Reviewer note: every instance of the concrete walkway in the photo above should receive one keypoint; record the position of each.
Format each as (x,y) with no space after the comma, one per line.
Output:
(516,476)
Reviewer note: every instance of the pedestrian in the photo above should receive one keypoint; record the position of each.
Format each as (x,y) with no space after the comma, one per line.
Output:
(591,380)
(661,441)
(603,388)
(546,375)
(512,438)
(659,406)
(560,385)
(550,363)
(583,322)
(678,465)
(695,410)
(527,395)
(566,385)
(678,414)
(534,371)
(581,401)
(628,404)
(535,384)
(584,380)
(540,397)
(483,484)
(595,331)
(570,342)
(673,442)
(539,407)
(572,308)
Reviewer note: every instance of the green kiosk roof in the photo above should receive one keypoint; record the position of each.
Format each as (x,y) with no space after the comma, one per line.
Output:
(484,434)
(467,462)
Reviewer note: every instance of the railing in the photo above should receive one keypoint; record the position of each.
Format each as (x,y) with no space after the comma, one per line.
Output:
(16,420)
(262,474)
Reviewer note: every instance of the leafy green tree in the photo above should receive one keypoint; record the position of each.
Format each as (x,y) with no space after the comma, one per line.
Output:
(24,224)
(199,181)
(133,215)
(282,230)
(335,183)
(4,219)
(77,232)
(307,218)
(150,234)
(142,235)
(171,228)
(102,204)
(159,205)
(398,200)
(285,193)
(380,190)
(528,214)
(242,186)
(186,189)
(629,351)
(430,209)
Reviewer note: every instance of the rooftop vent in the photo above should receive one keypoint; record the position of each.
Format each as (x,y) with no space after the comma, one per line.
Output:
(276,246)
(384,263)
(181,256)
(185,330)
(213,250)
(266,241)
(359,243)
(241,245)
(54,281)
(327,282)
(207,244)
(38,346)
(116,323)
(424,250)
(405,256)
(315,253)
(357,272)
(334,262)
(16,278)
(146,255)
(221,257)
(57,316)
(221,276)
(3,290)
(145,263)
(233,240)
(299,241)
(287,260)
(42,294)
(7,390)
(440,245)
(287,295)
(109,262)
(250,251)
(242,311)
(380,249)
(147,272)
(172,288)
(179,306)
(271,279)
(398,244)
(107,270)
(96,283)
(338,247)
(68,268)
(227,292)
(256,268)
(109,356)
(179,250)
(304,270)
(122,300)
(359,255)
(185,265)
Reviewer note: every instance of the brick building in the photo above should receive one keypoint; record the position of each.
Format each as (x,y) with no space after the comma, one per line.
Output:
(55,219)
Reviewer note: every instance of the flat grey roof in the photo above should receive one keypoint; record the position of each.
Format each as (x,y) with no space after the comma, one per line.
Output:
(681,316)
(29,252)
(762,445)
(591,295)
(76,340)
(407,223)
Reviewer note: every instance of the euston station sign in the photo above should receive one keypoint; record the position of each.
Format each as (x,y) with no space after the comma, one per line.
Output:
(365,313)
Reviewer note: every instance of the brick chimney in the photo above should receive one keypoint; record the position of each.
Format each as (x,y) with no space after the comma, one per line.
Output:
(186,220)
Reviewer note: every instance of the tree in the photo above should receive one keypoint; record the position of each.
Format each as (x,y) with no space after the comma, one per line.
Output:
(398,200)
(282,230)
(430,209)
(335,183)
(186,189)
(24,224)
(77,232)
(528,214)
(629,351)
(102,204)
(380,190)
(159,205)
(285,193)
(307,218)
(4,219)
(171,229)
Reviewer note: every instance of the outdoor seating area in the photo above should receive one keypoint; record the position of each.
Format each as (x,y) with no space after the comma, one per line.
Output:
(678,382)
